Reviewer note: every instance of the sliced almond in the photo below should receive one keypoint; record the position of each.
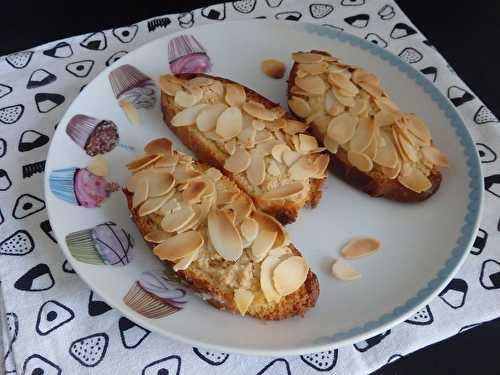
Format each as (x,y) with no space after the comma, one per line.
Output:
(315,68)
(373,90)
(170,205)
(343,83)
(247,136)
(415,181)
(263,136)
(332,105)
(200,81)
(152,205)
(386,104)
(193,222)
(141,193)
(225,197)
(235,95)
(160,183)
(167,161)
(230,146)
(99,166)
(307,57)
(206,120)
(161,146)
(243,299)
(184,99)
(214,174)
(290,274)
(361,75)
(256,172)
(260,112)
(170,85)
(418,128)
(299,106)
(269,223)
(249,229)
(360,247)
(363,137)
(342,270)
(360,161)
(262,244)
(183,174)
(302,169)
(130,111)
(342,98)
(185,262)
(238,162)
(266,148)
(212,135)
(177,219)
(395,139)
(293,127)
(179,246)
(258,125)
(406,169)
(287,191)
(290,157)
(157,236)
(307,143)
(278,151)
(266,278)
(242,207)
(359,107)
(142,162)
(273,68)
(342,128)
(273,169)
(387,155)
(408,149)
(392,173)
(224,237)
(229,123)
(312,84)
(194,191)
(330,144)
(320,164)
(435,156)
(135,179)
(187,116)
(384,118)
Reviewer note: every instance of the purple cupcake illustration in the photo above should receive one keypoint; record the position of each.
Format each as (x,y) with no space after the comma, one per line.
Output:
(187,55)
(154,296)
(94,136)
(133,89)
(81,187)
(105,244)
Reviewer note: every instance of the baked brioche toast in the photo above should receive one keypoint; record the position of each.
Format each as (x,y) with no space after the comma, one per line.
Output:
(373,145)
(208,230)
(252,140)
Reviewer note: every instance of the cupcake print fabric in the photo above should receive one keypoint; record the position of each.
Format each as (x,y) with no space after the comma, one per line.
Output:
(53,323)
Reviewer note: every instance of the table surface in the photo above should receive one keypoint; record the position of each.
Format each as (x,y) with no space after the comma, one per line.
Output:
(464,32)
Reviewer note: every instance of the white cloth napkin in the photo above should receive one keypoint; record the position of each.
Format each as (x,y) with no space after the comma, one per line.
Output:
(49,316)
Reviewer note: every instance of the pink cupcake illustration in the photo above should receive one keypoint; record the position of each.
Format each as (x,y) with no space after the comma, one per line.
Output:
(154,296)
(187,55)
(81,187)
(94,136)
(105,244)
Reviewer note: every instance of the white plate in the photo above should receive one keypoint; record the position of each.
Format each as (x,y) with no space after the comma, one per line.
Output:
(422,244)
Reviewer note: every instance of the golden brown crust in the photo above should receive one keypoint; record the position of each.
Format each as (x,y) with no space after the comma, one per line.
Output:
(371,183)
(294,304)
(285,212)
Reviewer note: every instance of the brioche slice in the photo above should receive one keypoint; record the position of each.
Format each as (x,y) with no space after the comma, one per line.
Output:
(374,146)
(252,140)
(204,226)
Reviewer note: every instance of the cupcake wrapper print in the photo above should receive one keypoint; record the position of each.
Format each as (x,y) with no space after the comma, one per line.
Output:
(154,296)
(105,244)
(187,55)
(80,187)
(94,136)
(133,89)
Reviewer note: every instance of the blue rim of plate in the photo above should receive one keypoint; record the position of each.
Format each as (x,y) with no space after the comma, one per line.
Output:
(474,206)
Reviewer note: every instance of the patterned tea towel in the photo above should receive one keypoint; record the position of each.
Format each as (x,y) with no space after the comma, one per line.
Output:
(53,323)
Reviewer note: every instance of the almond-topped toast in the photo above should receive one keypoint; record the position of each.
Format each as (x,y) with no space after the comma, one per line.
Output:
(374,146)
(262,148)
(209,231)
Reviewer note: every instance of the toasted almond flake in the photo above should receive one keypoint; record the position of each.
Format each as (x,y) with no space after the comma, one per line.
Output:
(312,84)
(142,162)
(415,181)
(230,146)
(273,68)
(263,136)
(135,179)
(399,148)
(293,127)
(290,274)
(299,106)
(294,139)
(229,123)
(99,166)
(183,174)
(161,146)
(187,116)
(320,164)
(343,99)
(224,237)
(307,143)
(342,128)
(435,156)
(206,205)
(179,246)
(386,155)
(256,172)
(269,223)
(193,222)
(160,183)
(406,169)
(361,75)
(265,148)
(247,136)
(243,299)
(152,205)
(314,68)
(167,161)
(287,191)
(170,85)
(343,83)
(262,244)
(141,193)
(360,247)
(386,104)
(307,57)
(360,161)
(408,149)
(273,169)
(225,197)
(200,81)
(238,162)
(266,278)
(213,173)
(249,229)
(170,205)
(177,219)
(157,236)
(371,89)
(332,105)
(290,157)
(384,118)
(258,125)
(275,125)
(302,169)
(300,73)
(392,173)
(130,111)
(212,135)
(359,107)
(242,207)
(418,128)
(330,144)
(194,191)
(185,262)
(235,95)
(364,135)
(342,270)
(278,151)
(184,99)
(295,90)
(206,119)
(259,111)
